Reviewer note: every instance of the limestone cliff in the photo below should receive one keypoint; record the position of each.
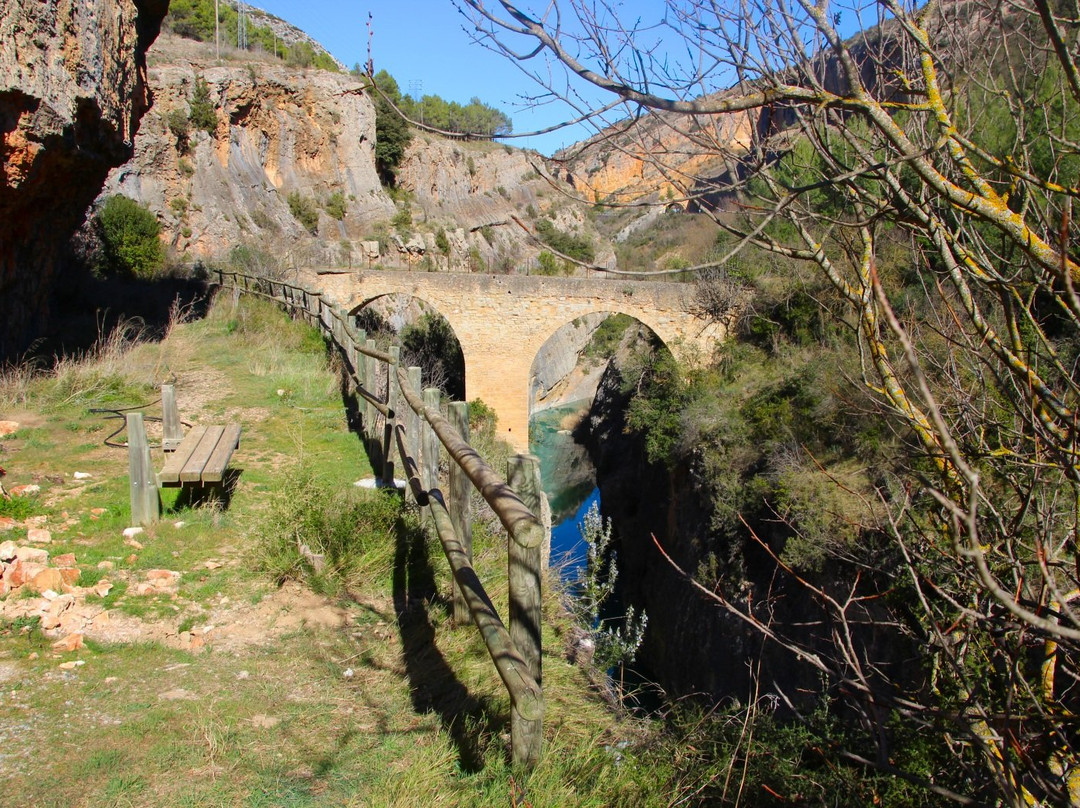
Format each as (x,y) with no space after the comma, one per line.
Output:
(279,131)
(72,93)
(620,164)
(491,195)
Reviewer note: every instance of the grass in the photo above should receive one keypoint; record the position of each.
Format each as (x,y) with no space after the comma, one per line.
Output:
(351,687)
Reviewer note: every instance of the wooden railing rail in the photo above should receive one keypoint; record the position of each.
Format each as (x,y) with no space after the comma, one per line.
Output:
(516,653)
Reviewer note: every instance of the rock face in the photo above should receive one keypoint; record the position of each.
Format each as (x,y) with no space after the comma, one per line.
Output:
(72,92)
(614,166)
(309,134)
(490,194)
(280,131)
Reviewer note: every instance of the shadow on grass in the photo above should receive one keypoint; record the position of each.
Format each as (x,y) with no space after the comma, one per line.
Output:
(212,496)
(434,688)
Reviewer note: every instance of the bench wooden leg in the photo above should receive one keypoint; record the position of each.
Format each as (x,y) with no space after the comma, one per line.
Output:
(145,501)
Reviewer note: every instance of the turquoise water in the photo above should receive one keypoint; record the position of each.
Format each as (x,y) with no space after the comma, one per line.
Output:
(569,480)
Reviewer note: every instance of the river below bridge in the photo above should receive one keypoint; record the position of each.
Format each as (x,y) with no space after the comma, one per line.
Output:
(567,477)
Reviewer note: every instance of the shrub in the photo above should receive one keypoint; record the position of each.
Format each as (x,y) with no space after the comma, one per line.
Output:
(442,243)
(202,114)
(335,206)
(130,239)
(576,247)
(304,211)
(402,219)
(180,126)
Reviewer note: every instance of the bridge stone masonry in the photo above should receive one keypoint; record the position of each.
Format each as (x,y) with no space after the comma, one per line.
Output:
(502,321)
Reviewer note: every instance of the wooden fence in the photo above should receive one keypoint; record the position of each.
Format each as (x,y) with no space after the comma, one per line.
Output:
(406,421)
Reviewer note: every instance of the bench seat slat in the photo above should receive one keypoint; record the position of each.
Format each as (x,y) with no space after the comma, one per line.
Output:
(170,474)
(219,458)
(193,468)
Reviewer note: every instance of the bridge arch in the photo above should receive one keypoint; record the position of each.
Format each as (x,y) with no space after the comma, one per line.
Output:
(391,314)
(502,321)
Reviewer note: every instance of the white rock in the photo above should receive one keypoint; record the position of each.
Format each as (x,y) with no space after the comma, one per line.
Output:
(81,475)
(179,524)
(7,551)
(243,675)
(132,532)
(348,673)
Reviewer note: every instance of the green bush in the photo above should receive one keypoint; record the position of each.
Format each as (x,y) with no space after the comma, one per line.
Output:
(180,126)
(304,211)
(335,205)
(130,239)
(201,111)
(576,247)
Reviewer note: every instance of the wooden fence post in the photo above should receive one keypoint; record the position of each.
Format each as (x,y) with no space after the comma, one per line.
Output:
(358,370)
(526,736)
(393,403)
(371,415)
(412,421)
(460,511)
(171,432)
(145,502)
(429,466)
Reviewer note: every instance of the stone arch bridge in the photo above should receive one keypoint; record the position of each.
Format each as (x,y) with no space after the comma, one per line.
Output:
(502,321)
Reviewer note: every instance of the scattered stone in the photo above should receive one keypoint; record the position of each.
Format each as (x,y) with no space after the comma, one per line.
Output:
(106,565)
(133,544)
(32,555)
(48,578)
(81,475)
(191,642)
(64,560)
(14,574)
(8,428)
(100,621)
(36,521)
(132,532)
(49,595)
(179,524)
(39,535)
(144,589)
(70,575)
(7,551)
(24,490)
(33,655)
(243,675)
(176,694)
(98,511)
(103,587)
(265,721)
(167,576)
(213,565)
(72,642)
(349,673)
(72,665)
(7,523)
(131,559)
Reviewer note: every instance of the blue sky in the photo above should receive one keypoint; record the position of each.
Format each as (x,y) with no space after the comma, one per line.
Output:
(423,44)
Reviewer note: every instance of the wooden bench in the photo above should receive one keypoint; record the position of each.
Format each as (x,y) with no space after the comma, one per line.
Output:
(197,459)
(202,457)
